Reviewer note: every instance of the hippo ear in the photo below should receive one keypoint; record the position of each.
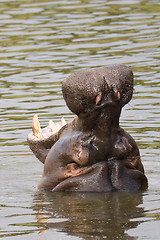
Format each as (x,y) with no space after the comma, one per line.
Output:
(98,98)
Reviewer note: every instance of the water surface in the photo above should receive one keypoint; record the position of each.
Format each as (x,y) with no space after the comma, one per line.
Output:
(41,43)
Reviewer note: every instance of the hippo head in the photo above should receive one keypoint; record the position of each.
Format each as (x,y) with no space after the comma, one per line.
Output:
(89,90)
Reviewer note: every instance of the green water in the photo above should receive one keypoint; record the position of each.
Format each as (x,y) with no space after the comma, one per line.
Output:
(42,42)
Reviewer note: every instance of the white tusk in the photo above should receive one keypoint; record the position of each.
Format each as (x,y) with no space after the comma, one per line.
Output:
(53,126)
(36,127)
(63,122)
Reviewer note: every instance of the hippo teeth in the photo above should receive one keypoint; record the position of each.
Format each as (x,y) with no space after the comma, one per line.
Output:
(36,127)
(53,126)
(63,122)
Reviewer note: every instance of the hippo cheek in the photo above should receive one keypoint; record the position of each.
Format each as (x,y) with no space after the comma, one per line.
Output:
(88,179)
(70,172)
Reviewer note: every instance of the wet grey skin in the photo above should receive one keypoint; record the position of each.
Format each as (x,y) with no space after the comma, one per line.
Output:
(96,96)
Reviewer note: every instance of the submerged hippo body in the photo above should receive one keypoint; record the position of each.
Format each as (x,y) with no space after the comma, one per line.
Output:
(112,159)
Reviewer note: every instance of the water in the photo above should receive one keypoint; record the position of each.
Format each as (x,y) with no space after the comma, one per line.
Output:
(42,42)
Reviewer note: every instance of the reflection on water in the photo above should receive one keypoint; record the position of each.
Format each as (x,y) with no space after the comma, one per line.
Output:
(89,216)
(41,42)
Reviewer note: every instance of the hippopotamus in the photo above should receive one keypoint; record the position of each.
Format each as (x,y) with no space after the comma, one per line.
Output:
(108,158)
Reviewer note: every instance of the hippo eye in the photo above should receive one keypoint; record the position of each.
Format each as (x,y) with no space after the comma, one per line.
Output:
(113,85)
(79,154)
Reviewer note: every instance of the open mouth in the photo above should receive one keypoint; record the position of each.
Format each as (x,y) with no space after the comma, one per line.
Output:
(46,132)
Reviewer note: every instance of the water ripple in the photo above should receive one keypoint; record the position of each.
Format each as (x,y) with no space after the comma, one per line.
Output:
(42,42)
